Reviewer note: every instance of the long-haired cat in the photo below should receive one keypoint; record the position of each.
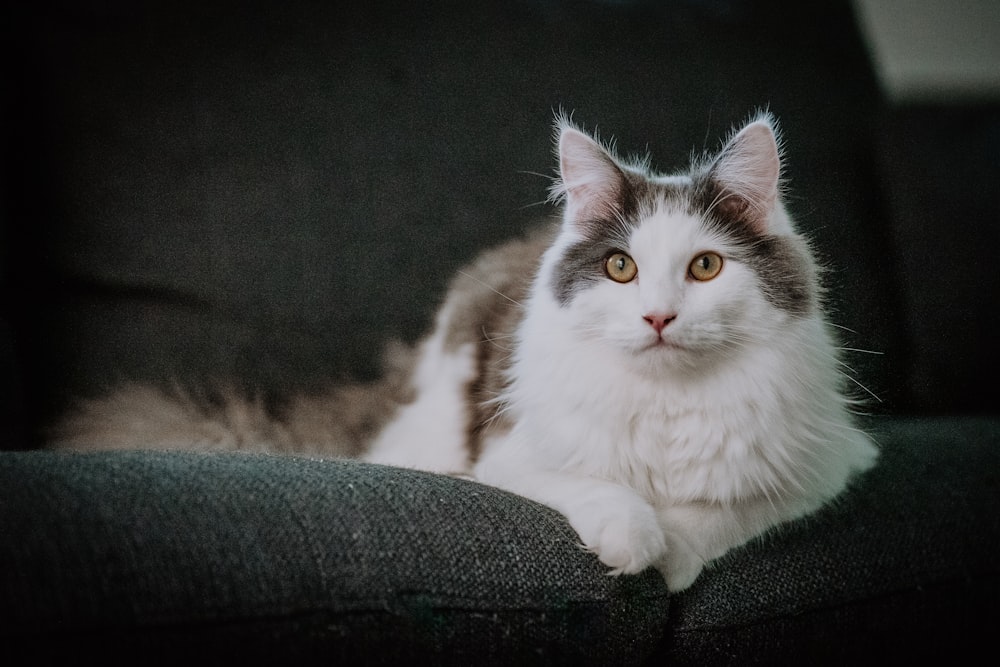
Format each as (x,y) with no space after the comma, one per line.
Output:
(656,367)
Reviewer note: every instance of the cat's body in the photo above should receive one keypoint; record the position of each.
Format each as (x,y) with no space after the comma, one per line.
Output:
(656,367)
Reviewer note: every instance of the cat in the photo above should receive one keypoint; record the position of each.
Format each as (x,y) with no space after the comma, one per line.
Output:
(656,366)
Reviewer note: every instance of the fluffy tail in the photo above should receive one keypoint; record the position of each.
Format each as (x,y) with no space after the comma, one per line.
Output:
(337,423)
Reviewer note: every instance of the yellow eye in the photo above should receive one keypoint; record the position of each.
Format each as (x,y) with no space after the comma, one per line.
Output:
(705,266)
(620,267)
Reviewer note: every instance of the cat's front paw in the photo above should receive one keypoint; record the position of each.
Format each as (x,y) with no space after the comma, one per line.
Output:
(621,529)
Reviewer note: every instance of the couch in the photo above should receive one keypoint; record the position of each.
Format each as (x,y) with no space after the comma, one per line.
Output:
(263,194)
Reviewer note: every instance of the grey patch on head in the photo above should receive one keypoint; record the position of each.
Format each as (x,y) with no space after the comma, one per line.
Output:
(786,274)
(782,264)
(582,264)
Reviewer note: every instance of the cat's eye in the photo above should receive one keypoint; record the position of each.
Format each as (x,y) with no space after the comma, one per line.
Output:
(705,266)
(620,267)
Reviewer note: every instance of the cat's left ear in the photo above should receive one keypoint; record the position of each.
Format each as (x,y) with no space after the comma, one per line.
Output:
(746,173)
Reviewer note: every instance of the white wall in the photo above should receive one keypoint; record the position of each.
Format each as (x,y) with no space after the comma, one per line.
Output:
(934,50)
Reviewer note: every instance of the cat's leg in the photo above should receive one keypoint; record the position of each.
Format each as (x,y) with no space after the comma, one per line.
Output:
(612,521)
(698,533)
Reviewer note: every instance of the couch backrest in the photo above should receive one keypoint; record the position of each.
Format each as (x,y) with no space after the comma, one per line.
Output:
(268,192)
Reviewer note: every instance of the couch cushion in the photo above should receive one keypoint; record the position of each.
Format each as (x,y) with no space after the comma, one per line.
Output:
(237,556)
(242,557)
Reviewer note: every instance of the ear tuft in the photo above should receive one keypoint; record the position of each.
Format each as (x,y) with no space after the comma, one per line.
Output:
(746,174)
(591,182)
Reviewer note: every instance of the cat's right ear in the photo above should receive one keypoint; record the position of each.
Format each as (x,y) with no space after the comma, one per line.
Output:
(591,182)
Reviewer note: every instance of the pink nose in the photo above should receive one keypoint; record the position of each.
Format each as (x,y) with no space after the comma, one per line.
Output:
(658,321)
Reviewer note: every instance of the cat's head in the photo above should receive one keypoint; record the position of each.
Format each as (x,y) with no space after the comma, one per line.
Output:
(679,271)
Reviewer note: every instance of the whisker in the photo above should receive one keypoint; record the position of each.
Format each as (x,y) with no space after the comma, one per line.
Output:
(490,287)
(843,328)
(548,177)
(846,365)
(863,387)
(855,349)
(493,340)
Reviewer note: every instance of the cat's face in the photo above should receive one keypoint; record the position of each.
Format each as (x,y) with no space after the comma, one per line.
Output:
(678,272)
(666,292)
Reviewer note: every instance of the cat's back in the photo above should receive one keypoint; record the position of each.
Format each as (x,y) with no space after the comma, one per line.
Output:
(484,308)
(462,366)
(486,296)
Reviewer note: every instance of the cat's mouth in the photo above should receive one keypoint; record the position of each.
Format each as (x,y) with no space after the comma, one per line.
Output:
(664,343)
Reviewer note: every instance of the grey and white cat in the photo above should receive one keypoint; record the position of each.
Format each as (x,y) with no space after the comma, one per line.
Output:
(656,367)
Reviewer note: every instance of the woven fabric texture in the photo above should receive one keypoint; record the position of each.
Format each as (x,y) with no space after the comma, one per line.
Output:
(370,560)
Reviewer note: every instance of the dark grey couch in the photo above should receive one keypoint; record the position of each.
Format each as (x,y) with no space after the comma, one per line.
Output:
(263,193)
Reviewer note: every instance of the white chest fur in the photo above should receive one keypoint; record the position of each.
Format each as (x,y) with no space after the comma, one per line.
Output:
(754,428)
